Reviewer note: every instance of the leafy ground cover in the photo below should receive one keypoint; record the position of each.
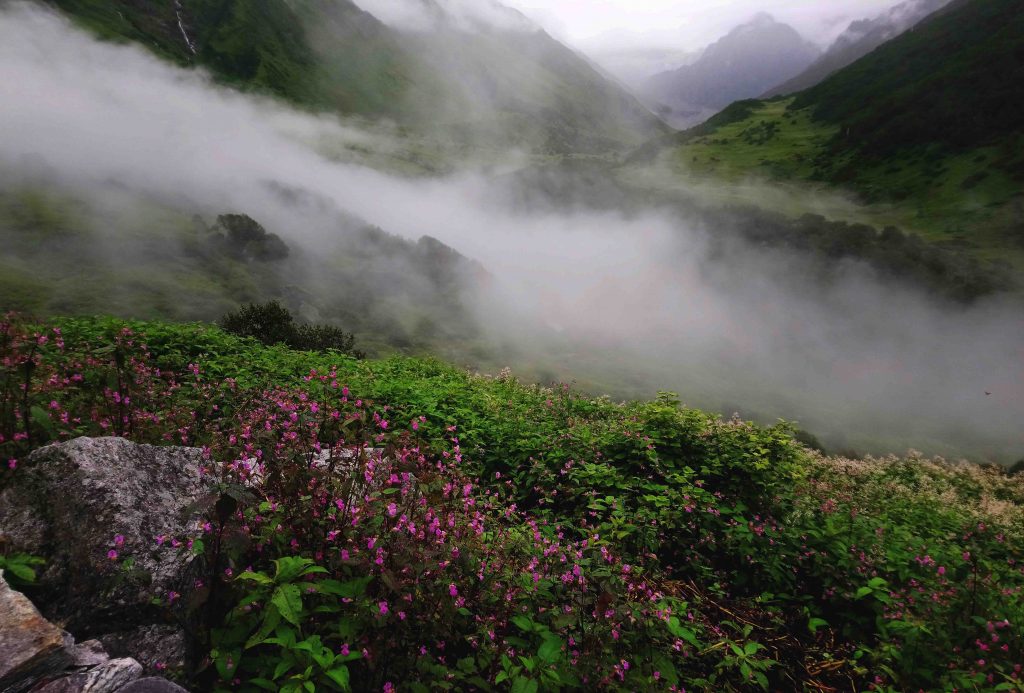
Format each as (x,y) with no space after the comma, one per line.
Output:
(405,525)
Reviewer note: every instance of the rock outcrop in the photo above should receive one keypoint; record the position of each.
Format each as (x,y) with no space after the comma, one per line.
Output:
(29,644)
(93,508)
(38,657)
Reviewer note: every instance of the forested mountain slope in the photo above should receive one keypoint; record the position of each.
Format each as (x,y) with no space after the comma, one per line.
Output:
(859,39)
(495,84)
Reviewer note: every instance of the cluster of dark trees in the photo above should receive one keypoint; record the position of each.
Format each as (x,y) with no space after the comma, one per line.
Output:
(239,237)
(271,323)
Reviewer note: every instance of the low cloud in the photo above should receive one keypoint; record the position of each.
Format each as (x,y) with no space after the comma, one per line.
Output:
(634,301)
(429,15)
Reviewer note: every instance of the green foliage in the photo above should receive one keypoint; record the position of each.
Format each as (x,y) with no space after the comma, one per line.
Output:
(244,237)
(893,254)
(524,88)
(469,532)
(19,569)
(925,129)
(271,323)
(256,43)
(910,92)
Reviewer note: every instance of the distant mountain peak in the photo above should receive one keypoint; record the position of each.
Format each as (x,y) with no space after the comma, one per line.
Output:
(749,59)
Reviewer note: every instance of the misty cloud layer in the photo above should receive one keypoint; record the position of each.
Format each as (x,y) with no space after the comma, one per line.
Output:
(425,15)
(635,299)
(686,25)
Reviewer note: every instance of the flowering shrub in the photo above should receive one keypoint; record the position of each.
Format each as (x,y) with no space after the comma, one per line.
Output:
(403,525)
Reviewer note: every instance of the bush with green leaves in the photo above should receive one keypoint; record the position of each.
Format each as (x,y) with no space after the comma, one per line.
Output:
(405,525)
(271,323)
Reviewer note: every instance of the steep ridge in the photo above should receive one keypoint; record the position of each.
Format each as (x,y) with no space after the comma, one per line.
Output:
(859,39)
(975,48)
(498,83)
(929,124)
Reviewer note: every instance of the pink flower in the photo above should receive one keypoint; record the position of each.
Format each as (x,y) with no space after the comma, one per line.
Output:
(112,555)
(344,650)
(383,606)
(392,509)
(453,590)
(12,464)
(119,540)
(942,570)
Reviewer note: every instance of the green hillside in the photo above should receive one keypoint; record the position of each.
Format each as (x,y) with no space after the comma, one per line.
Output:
(315,53)
(955,82)
(926,131)
(494,87)
(661,545)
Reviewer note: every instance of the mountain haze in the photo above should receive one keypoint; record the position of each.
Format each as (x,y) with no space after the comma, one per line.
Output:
(743,64)
(859,39)
(621,276)
(479,78)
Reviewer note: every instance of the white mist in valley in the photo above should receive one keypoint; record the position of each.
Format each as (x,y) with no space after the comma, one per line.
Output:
(635,301)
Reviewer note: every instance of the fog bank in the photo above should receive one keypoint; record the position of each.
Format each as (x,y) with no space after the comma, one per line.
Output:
(637,301)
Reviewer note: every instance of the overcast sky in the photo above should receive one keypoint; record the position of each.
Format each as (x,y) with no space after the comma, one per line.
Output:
(687,24)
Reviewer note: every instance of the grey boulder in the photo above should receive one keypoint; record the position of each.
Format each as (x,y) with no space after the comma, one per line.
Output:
(68,504)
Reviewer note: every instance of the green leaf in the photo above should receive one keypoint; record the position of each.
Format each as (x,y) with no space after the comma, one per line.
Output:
(270,622)
(291,567)
(863,592)
(679,631)
(524,623)
(255,577)
(283,667)
(323,657)
(288,600)
(524,685)
(340,676)
(349,589)
(550,650)
(664,666)
(20,571)
(752,648)
(815,623)
(42,420)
